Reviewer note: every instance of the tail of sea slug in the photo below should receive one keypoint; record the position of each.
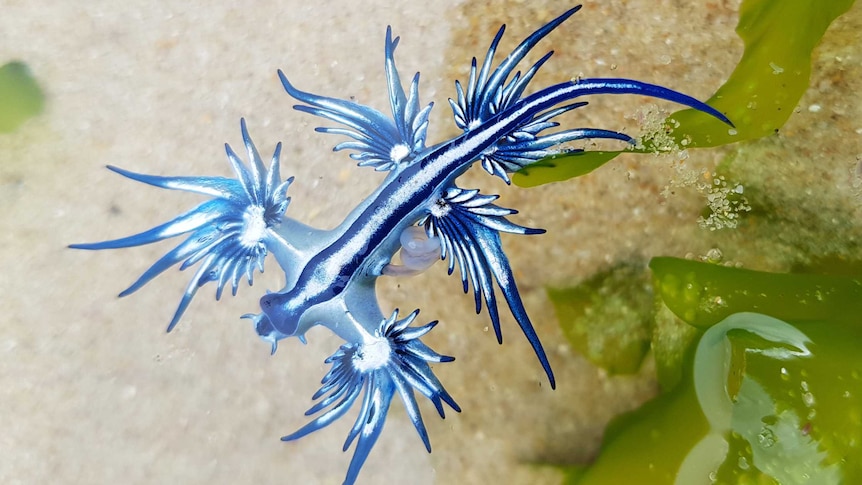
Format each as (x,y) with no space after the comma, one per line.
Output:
(490,96)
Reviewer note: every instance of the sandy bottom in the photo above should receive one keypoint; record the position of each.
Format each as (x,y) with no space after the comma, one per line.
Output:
(91,388)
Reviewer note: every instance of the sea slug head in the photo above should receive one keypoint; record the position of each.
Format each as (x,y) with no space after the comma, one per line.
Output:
(266,331)
(280,315)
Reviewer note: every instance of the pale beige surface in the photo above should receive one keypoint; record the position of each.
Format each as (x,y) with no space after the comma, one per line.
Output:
(91,388)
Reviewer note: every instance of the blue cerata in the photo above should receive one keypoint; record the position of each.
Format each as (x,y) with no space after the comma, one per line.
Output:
(418,210)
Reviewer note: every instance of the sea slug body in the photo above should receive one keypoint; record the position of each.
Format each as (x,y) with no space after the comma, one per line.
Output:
(418,208)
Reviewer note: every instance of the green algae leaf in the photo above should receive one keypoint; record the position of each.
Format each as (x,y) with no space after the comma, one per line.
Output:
(561,167)
(20,96)
(759,96)
(693,294)
(647,445)
(763,90)
(608,317)
(671,340)
(701,294)
(761,401)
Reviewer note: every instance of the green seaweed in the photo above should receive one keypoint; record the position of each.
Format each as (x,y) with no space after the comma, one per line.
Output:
(561,167)
(692,294)
(608,317)
(761,401)
(773,74)
(767,397)
(759,96)
(704,293)
(671,340)
(20,94)
(761,372)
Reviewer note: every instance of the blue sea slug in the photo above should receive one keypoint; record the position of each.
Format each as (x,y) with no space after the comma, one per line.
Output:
(417,209)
